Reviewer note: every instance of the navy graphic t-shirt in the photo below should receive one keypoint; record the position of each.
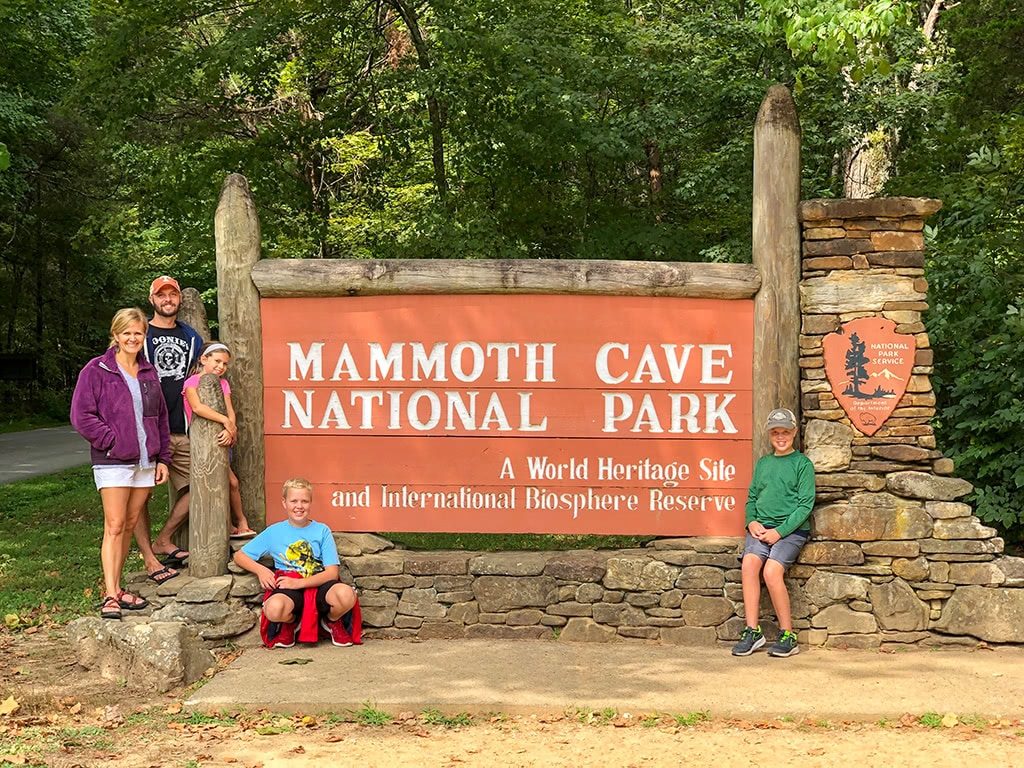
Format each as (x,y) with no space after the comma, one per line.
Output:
(170,355)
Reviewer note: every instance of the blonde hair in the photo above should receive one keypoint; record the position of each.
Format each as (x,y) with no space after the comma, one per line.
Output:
(298,483)
(122,319)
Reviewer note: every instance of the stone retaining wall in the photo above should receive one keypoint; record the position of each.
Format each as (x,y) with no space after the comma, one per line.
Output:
(894,559)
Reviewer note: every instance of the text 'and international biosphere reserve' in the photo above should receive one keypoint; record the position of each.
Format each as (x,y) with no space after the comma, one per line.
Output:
(535,413)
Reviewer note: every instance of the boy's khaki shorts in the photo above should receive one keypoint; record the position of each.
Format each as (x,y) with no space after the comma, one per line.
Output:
(784,551)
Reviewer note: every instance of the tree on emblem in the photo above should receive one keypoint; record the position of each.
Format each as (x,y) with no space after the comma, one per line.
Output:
(855,362)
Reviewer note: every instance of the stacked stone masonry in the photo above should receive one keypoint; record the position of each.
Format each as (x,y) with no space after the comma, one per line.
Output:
(895,557)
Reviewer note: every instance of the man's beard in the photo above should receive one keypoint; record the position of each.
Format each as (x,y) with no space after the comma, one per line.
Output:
(165,313)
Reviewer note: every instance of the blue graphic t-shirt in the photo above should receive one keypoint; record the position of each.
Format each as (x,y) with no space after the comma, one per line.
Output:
(307,550)
(172,352)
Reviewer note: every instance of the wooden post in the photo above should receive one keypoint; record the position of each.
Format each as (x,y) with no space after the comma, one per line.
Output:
(193,313)
(209,514)
(776,254)
(237,232)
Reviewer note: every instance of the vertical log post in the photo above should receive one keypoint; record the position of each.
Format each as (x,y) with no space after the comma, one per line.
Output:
(776,254)
(209,514)
(237,232)
(193,313)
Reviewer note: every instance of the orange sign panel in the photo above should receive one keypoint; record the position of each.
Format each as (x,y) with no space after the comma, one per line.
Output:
(532,414)
(868,366)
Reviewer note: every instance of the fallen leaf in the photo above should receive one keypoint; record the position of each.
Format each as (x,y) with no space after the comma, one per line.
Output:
(334,738)
(299,750)
(950,721)
(9,706)
(13,759)
(11,620)
(75,709)
(31,630)
(295,661)
(173,709)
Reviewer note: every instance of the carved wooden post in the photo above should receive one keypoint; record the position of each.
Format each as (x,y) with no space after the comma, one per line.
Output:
(208,503)
(193,313)
(776,254)
(237,232)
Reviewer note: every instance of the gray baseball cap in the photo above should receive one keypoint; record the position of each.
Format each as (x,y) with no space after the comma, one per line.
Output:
(781,418)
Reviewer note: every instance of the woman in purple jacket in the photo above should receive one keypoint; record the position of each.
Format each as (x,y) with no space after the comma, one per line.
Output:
(119,408)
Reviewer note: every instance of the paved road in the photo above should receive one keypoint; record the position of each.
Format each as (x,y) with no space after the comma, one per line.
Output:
(40,452)
(538,676)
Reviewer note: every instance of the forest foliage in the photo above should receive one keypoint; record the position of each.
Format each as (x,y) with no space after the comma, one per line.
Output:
(504,129)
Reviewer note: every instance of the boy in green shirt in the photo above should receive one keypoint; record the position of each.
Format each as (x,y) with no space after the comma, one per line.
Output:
(778,507)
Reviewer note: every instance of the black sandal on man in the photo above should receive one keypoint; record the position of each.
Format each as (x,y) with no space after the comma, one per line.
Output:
(162,575)
(175,558)
(110,608)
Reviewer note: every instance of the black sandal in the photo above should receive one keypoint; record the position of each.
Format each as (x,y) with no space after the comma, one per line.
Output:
(135,603)
(110,608)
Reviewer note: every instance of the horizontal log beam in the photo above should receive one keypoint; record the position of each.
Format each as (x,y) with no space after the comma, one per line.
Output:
(287,278)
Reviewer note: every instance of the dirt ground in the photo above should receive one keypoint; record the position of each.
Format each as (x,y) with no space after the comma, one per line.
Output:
(67,717)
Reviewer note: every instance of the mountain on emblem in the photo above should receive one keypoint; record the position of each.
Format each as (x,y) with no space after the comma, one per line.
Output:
(868,366)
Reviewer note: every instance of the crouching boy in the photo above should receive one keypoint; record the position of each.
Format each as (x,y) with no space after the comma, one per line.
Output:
(778,507)
(303,593)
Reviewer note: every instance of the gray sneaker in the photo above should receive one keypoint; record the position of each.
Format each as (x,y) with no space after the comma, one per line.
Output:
(750,640)
(786,645)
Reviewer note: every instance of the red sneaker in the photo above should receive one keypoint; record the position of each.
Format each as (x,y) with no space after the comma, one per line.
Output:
(339,635)
(277,635)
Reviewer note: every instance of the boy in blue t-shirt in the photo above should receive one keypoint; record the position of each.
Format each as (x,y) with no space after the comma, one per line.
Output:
(305,578)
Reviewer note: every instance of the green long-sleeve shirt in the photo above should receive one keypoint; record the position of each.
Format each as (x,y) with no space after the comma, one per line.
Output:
(781,492)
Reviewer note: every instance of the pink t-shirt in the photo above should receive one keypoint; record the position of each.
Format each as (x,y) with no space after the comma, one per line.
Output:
(192,382)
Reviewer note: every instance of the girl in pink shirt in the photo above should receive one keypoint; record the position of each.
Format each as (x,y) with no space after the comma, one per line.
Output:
(215,359)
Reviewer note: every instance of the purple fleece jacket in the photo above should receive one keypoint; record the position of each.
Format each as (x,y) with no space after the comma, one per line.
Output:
(102,412)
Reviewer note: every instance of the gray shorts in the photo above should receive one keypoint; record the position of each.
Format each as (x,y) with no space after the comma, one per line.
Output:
(784,551)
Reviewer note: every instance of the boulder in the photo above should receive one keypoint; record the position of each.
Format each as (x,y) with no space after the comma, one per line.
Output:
(986,574)
(464,613)
(618,614)
(524,617)
(840,620)
(922,485)
(239,620)
(210,590)
(245,586)
(639,573)
(584,630)
(155,656)
(422,603)
(943,510)
(509,564)
(856,291)
(825,588)
(353,544)
(582,566)
(995,615)
(831,553)
(966,528)
(700,611)
(437,563)
(199,613)
(911,569)
(872,517)
(699,577)
(1013,569)
(827,445)
(891,548)
(503,593)
(897,608)
(376,565)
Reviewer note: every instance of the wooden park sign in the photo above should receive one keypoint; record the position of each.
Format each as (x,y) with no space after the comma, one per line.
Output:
(868,366)
(513,413)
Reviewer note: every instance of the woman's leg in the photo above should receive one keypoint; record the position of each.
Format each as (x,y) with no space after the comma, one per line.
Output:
(115,514)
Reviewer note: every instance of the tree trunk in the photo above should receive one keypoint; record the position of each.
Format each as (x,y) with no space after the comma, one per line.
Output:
(209,509)
(237,232)
(776,253)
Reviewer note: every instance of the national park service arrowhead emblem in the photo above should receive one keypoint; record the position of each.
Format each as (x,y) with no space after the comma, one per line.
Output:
(868,365)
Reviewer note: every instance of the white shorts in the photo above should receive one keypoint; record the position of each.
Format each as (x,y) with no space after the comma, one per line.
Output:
(123,476)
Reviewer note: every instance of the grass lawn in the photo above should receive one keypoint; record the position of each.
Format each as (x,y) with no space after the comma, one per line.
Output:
(25,423)
(50,543)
